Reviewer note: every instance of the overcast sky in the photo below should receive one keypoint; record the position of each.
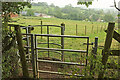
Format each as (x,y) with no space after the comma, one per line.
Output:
(96,3)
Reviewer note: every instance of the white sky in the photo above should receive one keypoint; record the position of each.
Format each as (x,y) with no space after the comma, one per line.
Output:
(96,3)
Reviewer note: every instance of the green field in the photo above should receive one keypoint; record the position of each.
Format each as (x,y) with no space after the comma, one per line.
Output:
(70,29)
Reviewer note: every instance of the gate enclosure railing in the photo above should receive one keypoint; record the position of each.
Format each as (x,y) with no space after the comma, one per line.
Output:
(48,40)
(34,48)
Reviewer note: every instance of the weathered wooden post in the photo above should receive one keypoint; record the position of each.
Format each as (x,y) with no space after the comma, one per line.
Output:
(116,36)
(119,43)
(76,29)
(29,29)
(48,40)
(21,51)
(106,49)
(41,28)
(62,40)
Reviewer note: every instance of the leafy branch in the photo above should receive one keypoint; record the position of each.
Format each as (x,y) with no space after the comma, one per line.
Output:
(116,6)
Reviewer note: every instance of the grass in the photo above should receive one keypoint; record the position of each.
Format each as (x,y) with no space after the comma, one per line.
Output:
(71,43)
(70,29)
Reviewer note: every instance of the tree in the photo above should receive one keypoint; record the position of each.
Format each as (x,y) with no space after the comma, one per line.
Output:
(89,2)
(108,18)
(8,37)
(116,6)
(52,5)
(57,12)
(50,11)
(85,2)
(43,4)
(12,7)
(95,17)
(30,12)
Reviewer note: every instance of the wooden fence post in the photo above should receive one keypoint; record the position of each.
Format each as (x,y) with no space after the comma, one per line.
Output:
(119,46)
(116,36)
(29,29)
(21,51)
(76,29)
(106,49)
(62,40)
(48,40)
(41,28)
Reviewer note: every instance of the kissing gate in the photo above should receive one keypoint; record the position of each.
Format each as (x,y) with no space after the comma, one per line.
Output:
(33,50)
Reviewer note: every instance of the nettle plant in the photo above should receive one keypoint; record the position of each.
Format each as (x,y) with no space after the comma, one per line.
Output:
(96,62)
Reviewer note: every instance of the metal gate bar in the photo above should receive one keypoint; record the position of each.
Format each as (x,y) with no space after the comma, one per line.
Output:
(68,50)
(62,38)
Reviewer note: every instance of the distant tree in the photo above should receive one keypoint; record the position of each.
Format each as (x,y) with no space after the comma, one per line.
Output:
(95,17)
(50,11)
(30,12)
(67,8)
(70,12)
(35,4)
(108,18)
(81,16)
(52,5)
(57,12)
(43,4)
